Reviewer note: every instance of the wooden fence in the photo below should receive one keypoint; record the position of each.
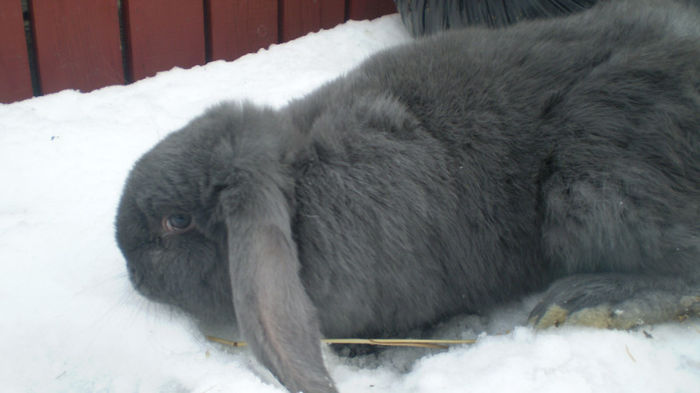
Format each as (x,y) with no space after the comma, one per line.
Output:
(51,45)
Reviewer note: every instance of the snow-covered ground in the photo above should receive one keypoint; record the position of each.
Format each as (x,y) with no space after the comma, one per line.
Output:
(70,321)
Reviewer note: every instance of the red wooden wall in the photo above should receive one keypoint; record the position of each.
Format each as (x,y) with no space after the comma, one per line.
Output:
(15,80)
(161,34)
(302,16)
(237,27)
(369,9)
(78,44)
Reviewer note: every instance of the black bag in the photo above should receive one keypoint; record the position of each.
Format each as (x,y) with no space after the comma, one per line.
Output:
(424,17)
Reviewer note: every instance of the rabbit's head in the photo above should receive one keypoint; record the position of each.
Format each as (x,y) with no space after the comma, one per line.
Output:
(172,219)
(204,224)
(169,230)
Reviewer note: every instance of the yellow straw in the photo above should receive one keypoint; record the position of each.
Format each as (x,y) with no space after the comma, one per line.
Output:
(416,343)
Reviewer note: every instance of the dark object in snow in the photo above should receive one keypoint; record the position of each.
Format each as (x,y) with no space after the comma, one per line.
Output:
(441,177)
(423,17)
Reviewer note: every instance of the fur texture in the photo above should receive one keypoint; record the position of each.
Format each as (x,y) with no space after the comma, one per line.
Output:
(441,177)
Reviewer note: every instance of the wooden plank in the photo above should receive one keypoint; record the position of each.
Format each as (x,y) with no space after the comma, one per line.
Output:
(298,18)
(77,44)
(162,34)
(237,27)
(332,13)
(370,9)
(15,78)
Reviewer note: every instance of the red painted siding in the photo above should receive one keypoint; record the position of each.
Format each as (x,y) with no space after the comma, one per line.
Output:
(162,34)
(370,9)
(332,13)
(237,27)
(77,44)
(298,18)
(15,80)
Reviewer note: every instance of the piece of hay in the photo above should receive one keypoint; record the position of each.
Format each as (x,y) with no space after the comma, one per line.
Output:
(387,342)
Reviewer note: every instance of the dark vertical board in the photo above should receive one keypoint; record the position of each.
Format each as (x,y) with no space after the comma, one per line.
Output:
(15,79)
(370,9)
(237,27)
(162,34)
(332,13)
(299,17)
(77,44)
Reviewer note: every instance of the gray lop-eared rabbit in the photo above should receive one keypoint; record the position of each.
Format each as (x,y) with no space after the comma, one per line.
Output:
(440,177)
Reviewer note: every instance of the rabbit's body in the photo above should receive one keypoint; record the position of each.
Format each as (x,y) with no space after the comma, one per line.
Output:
(494,163)
(438,178)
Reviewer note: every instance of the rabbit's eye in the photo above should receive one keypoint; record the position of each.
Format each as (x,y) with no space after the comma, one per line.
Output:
(177,223)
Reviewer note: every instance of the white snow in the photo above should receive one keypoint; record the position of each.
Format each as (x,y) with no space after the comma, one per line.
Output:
(70,321)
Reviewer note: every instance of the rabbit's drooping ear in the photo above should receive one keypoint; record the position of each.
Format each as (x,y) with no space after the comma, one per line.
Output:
(273,310)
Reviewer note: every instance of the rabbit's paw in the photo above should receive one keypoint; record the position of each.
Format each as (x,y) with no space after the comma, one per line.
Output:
(613,302)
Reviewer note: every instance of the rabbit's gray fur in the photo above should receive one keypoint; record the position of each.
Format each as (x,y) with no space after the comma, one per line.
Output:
(440,177)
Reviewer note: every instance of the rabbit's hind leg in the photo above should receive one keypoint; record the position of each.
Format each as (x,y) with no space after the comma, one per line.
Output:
(625,252)
(617,301)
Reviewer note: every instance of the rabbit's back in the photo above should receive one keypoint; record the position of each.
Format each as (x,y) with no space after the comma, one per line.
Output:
(466,164)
